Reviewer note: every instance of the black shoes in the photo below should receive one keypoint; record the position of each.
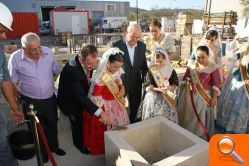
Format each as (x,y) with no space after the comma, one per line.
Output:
(58,151)
(84,150)
(45,158)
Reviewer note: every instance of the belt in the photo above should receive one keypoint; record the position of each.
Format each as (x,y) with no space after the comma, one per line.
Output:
(29,99)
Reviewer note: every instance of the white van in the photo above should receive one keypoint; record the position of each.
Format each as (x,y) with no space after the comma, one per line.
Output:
(111,23)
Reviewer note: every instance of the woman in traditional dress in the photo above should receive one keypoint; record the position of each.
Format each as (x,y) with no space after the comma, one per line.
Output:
(158,39)
(161,83)
(233,103)
(213,40)
(106,92)
(198,94)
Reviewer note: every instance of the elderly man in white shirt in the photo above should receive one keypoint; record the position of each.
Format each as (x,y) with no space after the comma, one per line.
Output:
(135,66)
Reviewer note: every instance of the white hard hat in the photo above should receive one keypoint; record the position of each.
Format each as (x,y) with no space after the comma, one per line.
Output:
(6,17)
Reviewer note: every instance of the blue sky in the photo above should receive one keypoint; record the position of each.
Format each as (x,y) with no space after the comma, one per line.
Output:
(148,4)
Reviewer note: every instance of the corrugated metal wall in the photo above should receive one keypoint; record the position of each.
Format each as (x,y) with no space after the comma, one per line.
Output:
(122,8)
(21,5)
(23,23)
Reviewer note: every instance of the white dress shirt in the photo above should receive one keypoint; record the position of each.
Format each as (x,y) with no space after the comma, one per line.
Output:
(131,51)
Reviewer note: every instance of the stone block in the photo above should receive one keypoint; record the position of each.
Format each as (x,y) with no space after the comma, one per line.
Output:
(157,142)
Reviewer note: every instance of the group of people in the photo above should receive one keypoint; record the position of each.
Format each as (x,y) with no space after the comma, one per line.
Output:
(123,87)
(151,89)
(213,95)
(96,104)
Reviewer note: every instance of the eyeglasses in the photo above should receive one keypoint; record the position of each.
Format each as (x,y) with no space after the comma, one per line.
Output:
(35,50)
(135,37)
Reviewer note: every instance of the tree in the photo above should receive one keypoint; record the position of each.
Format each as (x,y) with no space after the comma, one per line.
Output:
(155,12)
(162,12)
(245,3)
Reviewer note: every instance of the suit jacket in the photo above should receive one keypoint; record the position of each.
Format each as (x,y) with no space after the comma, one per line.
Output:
(73,89)
(134,74)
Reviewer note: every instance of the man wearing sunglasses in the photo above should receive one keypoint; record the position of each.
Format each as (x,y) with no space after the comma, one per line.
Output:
(34,67)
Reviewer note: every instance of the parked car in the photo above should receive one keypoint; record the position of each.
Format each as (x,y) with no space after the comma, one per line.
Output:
(144,26)
(45,28)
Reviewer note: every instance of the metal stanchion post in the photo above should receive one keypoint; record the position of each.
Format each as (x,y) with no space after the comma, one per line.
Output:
(34,131)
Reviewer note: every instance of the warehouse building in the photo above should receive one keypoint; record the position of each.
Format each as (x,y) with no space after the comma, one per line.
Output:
(97,9)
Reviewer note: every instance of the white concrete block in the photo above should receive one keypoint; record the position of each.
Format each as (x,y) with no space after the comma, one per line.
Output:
(155,141)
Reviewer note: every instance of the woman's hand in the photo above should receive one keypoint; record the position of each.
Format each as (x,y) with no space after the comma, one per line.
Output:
(171,88)
(213,102)
(122,91)
(160,90)
(164,89)
(150,88)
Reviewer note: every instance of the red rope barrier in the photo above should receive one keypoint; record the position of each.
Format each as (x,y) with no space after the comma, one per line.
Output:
(44,140)
(204,130)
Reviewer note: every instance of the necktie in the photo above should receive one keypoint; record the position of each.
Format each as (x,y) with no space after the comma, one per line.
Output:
(88,76)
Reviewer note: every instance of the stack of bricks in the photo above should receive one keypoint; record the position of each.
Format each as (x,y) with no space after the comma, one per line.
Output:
(185,47)
(184,23)
(189,43)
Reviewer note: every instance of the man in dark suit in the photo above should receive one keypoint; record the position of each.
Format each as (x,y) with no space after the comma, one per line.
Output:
(74,85)
(135,66)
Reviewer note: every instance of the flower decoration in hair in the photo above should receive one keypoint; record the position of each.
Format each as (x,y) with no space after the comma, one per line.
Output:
(115,50)
(160,50)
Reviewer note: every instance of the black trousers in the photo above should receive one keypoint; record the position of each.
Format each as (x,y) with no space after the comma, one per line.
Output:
(76,126)
(47,115)
(134,98)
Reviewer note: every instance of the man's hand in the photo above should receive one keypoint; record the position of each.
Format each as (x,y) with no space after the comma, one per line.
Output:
(105,119)
(17,116)
(10,96)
